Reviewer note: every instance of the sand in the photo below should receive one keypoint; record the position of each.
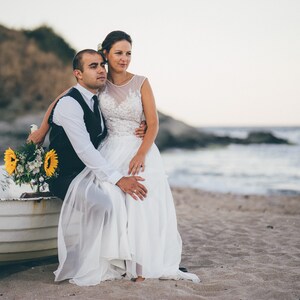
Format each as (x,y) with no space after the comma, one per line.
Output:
(242,247)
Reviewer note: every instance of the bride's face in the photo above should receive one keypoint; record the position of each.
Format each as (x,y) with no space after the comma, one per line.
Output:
(119,56)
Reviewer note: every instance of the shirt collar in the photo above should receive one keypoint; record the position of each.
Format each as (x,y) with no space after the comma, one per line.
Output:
(88,94)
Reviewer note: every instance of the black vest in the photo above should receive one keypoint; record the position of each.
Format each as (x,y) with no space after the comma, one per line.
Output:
(69,164)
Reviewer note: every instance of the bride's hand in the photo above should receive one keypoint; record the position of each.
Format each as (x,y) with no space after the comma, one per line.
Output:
(137,164)
(37,137)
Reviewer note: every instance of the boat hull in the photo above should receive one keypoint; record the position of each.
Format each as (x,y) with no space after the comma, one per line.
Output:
(28,229)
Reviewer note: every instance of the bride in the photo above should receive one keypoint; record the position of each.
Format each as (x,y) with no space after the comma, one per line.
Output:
(152,241)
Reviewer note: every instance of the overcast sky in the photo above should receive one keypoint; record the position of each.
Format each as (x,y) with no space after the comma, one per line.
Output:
(210,62)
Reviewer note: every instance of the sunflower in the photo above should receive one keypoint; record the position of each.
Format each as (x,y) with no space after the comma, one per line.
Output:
(11,161)
(50,163)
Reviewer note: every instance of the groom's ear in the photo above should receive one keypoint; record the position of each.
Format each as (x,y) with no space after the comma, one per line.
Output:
(77,73)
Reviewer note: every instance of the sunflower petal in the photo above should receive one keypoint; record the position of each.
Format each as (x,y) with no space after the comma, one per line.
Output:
(50,163)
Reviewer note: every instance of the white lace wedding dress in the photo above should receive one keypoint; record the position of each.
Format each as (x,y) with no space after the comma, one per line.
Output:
(154,242)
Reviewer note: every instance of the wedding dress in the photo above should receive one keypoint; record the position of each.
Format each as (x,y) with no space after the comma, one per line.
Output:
(154,242)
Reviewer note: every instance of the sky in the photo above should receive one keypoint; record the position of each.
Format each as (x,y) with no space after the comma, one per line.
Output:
(209,62)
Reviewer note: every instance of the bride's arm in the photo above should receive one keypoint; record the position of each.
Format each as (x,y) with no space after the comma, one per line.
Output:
(39,135)
(138,161)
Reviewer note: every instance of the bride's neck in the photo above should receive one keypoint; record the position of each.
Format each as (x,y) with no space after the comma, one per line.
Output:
(118,78)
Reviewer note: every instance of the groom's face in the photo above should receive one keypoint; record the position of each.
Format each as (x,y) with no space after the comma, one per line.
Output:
(93,74)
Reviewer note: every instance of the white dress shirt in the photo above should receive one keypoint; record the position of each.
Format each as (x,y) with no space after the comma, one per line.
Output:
(69,114)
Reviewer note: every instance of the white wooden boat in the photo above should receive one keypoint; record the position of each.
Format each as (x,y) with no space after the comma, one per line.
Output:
(28,228)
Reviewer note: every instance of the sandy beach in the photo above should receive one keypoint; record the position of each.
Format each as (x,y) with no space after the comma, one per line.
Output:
(241,247)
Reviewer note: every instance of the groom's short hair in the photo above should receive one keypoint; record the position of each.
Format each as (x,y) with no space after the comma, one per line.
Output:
(77,60)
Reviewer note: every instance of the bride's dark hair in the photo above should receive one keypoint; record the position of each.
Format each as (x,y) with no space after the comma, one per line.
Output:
(113,37)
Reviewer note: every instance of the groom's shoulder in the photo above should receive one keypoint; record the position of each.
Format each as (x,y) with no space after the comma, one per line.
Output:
(66,108)
(70,96)
(71,93)
(68,104)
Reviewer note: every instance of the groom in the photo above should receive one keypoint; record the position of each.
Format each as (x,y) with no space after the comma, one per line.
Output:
(78,128)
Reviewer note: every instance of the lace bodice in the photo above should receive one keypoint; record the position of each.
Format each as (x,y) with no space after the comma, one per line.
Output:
(122,107)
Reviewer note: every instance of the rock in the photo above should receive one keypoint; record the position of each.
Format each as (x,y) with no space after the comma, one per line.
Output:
(177,134)
(263,137)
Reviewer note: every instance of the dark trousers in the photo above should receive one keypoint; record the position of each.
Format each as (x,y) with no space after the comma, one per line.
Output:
(59,186)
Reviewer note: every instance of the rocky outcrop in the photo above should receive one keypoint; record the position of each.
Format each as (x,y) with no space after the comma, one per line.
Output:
(177,134)
(260,137)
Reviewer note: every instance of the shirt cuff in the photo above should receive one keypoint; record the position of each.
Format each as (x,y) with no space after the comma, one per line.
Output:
(115,177)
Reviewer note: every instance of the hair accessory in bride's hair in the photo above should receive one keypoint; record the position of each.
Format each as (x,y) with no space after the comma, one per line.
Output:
(99,47)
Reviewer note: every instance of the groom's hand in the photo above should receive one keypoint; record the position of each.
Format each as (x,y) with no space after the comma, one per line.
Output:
(141,131)
(131,186)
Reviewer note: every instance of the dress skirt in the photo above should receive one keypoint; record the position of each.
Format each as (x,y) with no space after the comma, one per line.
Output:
(154,242)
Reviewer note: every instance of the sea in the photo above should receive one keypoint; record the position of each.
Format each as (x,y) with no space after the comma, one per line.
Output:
(261,169)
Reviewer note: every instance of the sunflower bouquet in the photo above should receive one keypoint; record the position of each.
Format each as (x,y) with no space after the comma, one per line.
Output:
(31,164)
